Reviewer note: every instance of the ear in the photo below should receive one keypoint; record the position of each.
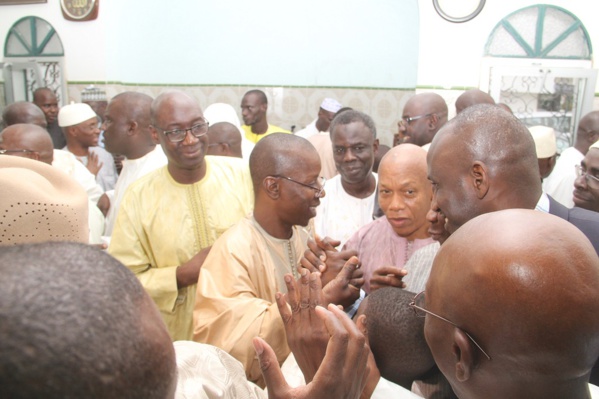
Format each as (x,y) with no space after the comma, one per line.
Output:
(480,179)
(463,350)
(154,133)
(272,187)
(375,146)
(133,126)
(361,324)
(432,122)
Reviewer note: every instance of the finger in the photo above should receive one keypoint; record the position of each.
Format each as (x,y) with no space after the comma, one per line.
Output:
(336,348)
(329,244)
(270,368)
(284,309)
(305,291)
(315,290)
(292,293)
(391,270)
(306,264)
(316,248)
(357,346)
(348,269)
(356,282)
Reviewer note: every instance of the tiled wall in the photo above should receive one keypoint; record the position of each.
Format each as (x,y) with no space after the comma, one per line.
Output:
(288,106)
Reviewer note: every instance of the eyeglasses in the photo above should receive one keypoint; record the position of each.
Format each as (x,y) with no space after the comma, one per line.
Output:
(319,190)
(592,181)
(178,135)
(406,120)
(417,304)
(2,151)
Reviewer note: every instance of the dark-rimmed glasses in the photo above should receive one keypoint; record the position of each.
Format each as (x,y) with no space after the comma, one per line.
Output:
(406,120)
(417,304)
(177,135)
(319,190)
(592,181)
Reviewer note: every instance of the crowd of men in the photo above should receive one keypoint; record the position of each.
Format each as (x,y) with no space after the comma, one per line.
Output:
(226,258)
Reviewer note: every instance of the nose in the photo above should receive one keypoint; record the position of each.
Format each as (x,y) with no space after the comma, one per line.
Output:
(349,155)
(397,203)
(401,126)
(581,182)
(190,138)
(433,214)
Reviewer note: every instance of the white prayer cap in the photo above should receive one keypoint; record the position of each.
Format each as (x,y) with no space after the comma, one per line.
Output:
(330,104)
(221,112)
(545,143)
(594,145)
(74,114)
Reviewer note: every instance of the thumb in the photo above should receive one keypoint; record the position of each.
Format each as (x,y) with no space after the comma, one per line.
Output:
(346,272)
(275,382)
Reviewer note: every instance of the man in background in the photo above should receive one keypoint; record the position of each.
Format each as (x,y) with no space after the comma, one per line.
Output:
(45,98)
(254,106)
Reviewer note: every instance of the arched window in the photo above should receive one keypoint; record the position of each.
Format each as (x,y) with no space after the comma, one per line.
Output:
(33,58)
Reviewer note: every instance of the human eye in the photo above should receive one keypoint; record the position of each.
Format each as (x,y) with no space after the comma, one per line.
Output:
(339,150)
(358,148)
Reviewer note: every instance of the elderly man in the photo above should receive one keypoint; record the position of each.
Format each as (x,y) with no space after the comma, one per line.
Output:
(46,100)
(422,117)
(127,132)
(253,110)
(350,195)
(472,97)
(246,265)
(586,185)
(225,140)
(80,126)
(546,147)
(405,198)
(23,112)
(326,113)
(530,328)
(169,218)
(560,182)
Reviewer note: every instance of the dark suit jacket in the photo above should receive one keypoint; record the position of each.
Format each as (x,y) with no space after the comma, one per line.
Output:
(586,221)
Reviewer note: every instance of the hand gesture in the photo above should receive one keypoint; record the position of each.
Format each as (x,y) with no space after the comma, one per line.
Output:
(387,276)
(343,371)
(93,163)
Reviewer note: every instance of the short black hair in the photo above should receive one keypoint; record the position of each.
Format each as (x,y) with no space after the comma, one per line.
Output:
(71,327)
(351,116)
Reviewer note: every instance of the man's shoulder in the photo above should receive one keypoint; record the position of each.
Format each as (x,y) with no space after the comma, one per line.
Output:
(148,181)
(276,129)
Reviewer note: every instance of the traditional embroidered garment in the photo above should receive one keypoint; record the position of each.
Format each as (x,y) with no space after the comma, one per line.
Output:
(378,245)
(254,138)
(340,215)
(162,224)
(236,291)
(132,170)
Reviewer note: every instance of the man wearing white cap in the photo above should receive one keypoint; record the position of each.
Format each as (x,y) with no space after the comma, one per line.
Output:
(326,113)
(79,123)
(546,147)
(586,185)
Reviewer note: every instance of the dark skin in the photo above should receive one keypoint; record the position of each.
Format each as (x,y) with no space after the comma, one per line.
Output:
(253,111)
(514,277)
(588,132)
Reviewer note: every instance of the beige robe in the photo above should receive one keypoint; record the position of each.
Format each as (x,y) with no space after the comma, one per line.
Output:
(162,224)
(236,291)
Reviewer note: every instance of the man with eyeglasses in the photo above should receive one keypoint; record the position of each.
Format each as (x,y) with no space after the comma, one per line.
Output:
(349,203)
(236,295)
(253,111)
(34,142)
(225,140)
(586,185)
(80,125)
(512,313)
(170,217)
(422,117)
(560,182)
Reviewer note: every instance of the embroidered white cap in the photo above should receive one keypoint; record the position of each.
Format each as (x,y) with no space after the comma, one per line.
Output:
(330,104)
(74,114)
(545,142)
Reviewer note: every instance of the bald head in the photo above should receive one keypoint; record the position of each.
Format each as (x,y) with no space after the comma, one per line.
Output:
(404,190)
(225,140)
(588,131)
(24,112)
(282,154)
(32,138)
(530,300)
(481,161)
(472,97)
(429,113)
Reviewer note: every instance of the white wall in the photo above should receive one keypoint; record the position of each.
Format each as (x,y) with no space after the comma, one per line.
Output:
(450,54)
